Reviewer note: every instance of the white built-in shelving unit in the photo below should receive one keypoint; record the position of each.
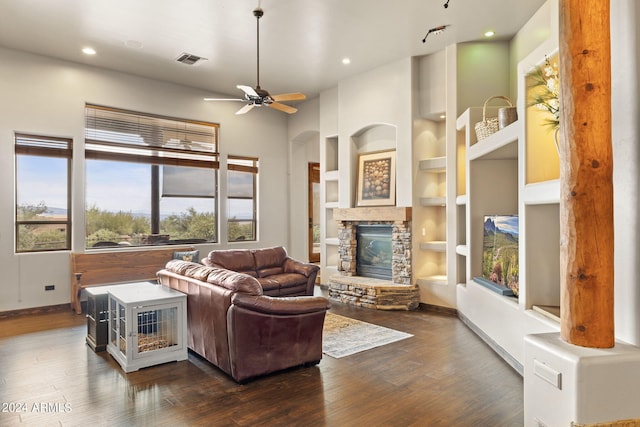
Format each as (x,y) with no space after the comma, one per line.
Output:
(515,171)
(431,201)
(429,214)
(329,199)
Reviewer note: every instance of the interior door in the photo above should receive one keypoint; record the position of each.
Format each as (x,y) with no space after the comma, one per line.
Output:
(314,212)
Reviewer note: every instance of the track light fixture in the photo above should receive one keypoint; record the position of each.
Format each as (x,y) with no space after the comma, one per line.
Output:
(435,30)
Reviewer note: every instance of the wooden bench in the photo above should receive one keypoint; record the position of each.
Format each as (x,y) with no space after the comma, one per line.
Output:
(105,268)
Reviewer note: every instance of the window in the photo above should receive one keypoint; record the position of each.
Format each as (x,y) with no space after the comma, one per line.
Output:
(43,206)
(241,198)
(149,180)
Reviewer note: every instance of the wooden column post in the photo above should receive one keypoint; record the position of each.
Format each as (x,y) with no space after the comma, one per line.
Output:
(586,175)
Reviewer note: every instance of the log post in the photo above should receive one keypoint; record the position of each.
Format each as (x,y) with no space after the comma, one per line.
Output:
(586,175)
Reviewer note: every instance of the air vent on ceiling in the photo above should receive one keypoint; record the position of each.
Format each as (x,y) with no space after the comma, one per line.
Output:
(190,59)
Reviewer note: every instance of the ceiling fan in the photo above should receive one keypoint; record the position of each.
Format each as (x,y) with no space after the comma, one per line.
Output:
(257,97)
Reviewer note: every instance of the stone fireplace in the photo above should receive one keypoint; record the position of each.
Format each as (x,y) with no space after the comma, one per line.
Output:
(395,292)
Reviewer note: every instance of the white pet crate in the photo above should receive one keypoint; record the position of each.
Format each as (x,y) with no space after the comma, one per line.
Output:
(147,325)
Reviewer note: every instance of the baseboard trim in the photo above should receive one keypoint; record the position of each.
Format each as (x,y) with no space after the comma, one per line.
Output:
(35,310)
(517,366)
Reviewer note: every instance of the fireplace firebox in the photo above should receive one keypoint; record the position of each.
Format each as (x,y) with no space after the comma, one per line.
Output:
(375,251)
(398,221)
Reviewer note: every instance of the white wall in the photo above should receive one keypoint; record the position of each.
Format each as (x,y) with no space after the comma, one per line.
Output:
(432,84)
(45,96)
(380,96)
(542,25)
(625,121)
(483,71)
(304,144)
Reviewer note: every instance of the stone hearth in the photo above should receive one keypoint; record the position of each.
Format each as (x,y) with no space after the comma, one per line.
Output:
(397,293)
(373,293)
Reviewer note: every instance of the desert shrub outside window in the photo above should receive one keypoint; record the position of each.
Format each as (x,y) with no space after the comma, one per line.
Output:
(242,175)
(150,180)
(43,205)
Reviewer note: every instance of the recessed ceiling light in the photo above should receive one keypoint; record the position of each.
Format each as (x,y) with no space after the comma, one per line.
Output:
(489,33)
(89,51)
(346,61)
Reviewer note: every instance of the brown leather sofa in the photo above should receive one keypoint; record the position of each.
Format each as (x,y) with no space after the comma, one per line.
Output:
(278,274)
(243,332)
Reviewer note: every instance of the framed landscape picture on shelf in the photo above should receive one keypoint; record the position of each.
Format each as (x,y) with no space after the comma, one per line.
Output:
(500,254)
(377,179)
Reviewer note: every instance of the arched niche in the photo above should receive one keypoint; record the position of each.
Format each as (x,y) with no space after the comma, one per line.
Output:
(375,137)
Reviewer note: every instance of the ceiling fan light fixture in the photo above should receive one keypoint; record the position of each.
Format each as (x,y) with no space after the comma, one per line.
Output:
(257,97)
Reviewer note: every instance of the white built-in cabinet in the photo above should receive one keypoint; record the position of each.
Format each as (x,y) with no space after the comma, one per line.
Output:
(513,171)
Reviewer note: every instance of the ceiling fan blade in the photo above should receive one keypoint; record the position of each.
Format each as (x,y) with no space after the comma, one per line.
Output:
(282,107)
(224,99)
(297,96)
(245,109)
(248,90)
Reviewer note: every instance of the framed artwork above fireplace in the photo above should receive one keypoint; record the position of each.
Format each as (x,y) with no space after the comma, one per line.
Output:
(377,179)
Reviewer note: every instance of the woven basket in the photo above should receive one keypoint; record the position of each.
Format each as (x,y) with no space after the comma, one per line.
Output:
(489,126)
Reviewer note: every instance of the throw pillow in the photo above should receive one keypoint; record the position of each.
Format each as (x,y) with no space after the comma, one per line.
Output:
(191,256)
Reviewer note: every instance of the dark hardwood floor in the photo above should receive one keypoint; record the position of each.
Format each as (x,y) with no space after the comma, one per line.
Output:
(443,376)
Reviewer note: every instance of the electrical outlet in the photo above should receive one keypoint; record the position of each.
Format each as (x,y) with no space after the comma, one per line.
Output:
(49,287)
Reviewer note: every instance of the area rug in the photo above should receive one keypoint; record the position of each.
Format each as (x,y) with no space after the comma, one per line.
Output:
(343,336)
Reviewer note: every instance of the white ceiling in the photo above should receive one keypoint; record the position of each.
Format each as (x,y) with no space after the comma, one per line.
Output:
(302,42)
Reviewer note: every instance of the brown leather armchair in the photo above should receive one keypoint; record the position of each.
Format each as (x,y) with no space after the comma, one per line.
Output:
(231,323)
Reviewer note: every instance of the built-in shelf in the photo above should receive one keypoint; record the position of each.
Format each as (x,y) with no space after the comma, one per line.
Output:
(430,230)
(331,175)
(433,201)
(333,241)
(330,196)
(500,145)
(550,311)
(437,279)
(436,246)
(463,120)
(436,164)
(541,193)
(461,200)
(462,250)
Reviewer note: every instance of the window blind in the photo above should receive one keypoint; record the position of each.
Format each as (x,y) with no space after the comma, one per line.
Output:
(122,135)
(43,146)
(242,164)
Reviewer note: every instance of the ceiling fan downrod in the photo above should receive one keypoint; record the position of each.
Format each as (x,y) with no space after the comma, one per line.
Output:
(258,13)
